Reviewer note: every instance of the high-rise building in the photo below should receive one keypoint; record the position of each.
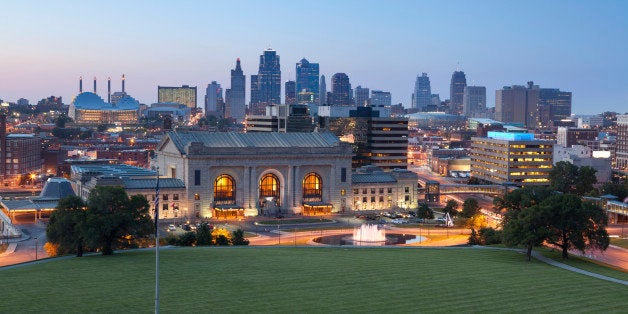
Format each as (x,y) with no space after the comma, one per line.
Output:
(254,92)
(291,93)
(622,143)
(213,98)
(380,99)
(307,81)
(474,100)
(456,91)
(361,96)
(517,104)
(20,155)
(269,82)
(553,105)
(340,90)
(236,104)
(322,92)
(183,95)
(422,93)
(516,158)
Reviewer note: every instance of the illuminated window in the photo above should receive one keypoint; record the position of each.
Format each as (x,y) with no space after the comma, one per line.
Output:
(224,190)
(269,186)
(312,186)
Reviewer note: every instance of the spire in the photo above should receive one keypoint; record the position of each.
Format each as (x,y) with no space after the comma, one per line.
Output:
(80,84)
(109,89)
(122,83)
(238,68)
(94,85)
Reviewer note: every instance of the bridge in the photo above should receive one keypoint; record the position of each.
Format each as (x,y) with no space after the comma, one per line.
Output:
(433,189)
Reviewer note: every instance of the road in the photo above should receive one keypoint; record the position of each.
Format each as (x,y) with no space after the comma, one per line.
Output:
(25,250)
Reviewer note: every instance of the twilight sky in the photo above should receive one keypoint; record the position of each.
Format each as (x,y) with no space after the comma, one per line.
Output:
(578,46)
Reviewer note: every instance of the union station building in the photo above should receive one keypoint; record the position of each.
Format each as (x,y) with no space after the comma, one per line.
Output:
(230,174)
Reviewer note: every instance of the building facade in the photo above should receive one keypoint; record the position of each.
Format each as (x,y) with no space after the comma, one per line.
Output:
(474,101)
(322,91)
(213,99)
(301,173)
(374,189)
(517,104)
(20,156)
(290,97)
(554,105)
(621,153)
(511,158)
(88,108)
(236,101)
(380,98)
(184,95)
(268,83)
(361,96)
(341,94)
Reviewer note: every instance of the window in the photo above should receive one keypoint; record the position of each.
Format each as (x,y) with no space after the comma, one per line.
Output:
(343,192)
(356,191)
(343,174)
(173,172)
(197,197)
(407,198)
(389,190)
(372,199)
(364,199)
(269,186)
(175,197)
(407,189)
(164,197)
(224,190)
(164,206)
(313,186)
(381,199)
(197,177)
(381,190)
(372,190)
(364,191)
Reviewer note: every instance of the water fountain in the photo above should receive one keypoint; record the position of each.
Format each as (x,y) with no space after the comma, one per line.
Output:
(369,235)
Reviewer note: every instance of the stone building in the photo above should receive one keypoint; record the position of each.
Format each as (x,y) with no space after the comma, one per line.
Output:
(232,174)
(374,189)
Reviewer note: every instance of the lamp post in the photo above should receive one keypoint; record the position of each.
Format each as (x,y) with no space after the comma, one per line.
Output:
(36,248)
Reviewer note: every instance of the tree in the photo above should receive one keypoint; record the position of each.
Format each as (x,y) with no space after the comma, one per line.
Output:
(204,234)
(425,212)
(476,222)
(65,227)
(618,189)
(474,239)
(527,226)
(573,223)
(470,207)
(113,218)
(568,178)
(585,181)
(520,198)
(238,238)
(451,207)
(62,120)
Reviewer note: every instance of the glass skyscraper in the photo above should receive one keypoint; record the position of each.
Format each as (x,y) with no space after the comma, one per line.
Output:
(456,92)
(340,90)
(269,82)
(422,93)
(307,81)
(237,103)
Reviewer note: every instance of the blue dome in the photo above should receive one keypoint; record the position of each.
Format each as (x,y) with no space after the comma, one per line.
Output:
(88,100)
(128,103)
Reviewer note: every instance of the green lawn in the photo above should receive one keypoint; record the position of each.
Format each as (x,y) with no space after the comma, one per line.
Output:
(620,242)
(310,279)
(584,263)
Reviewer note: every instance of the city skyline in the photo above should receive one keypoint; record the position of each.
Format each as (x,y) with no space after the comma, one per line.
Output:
(47,46)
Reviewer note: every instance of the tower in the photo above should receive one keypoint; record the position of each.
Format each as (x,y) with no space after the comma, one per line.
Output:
(108,90)
(123,80)
(322,91)
(456,92)
(237,103)
(341,90)
(95,85)
(269,82)
(307,81)
(80,84)
(422,92)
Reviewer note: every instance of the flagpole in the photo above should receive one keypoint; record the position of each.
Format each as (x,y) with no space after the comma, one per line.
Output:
(157,243)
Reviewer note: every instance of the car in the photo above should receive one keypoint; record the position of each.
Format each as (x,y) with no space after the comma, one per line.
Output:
(441,220)
(186,227)
(172,228)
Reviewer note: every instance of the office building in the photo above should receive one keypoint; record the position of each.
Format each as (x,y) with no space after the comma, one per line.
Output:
(511,158)
(456,92)
(474,101)
(268,83)
(361,96)
(341,94)
(184,95)
(322,92)
(553,105)
(307,82)
(282,118)
(20,156)
(236,101)
(422,98)
(517,104)
(374,189)
(380,98)
(568,136)
(290,93)
(213,100)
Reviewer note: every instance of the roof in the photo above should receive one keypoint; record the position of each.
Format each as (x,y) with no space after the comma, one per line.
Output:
(91,101)
(144,184)
(381,177)
(121,170)
(28,205)
(253,140)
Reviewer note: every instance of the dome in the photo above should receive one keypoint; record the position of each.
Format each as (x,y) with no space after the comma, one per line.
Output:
(57,188)
(128,103)
(88,100)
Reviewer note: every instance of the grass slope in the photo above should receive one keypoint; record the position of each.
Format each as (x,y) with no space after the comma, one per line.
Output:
(312,279)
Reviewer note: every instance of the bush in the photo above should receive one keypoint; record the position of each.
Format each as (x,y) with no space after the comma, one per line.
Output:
(238,238)
(204,234)
(222,240)
(52,249)
(474,239)
(187,239)
(488,236)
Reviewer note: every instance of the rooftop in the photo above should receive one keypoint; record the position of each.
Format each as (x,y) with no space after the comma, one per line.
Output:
(112,170)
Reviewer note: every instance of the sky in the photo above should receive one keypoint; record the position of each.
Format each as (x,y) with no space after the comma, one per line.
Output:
(577,46)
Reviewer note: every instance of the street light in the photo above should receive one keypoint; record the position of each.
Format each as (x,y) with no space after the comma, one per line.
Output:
(36,248)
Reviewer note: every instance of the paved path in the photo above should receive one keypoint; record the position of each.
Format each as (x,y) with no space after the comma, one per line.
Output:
(552,262)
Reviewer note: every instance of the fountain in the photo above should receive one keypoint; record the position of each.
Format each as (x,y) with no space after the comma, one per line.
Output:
(369,235)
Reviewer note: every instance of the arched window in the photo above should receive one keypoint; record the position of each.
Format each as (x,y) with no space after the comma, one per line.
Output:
(269,186)
(312,187)
(224,190)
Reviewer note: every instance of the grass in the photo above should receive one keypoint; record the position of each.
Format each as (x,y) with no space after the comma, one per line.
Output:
(296,221)
(620,242)
(311,279)
(585,264)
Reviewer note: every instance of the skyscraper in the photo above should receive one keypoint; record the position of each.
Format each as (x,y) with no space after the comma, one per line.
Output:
(340,90)
(456,91)
(361,96)
(517,104)
(290,93)
(269,82)
(236,103)
(554,105)
(474,100)
(422,92)
(254,92)
(213,98)
(322,91)
(307,81)
(183,95)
